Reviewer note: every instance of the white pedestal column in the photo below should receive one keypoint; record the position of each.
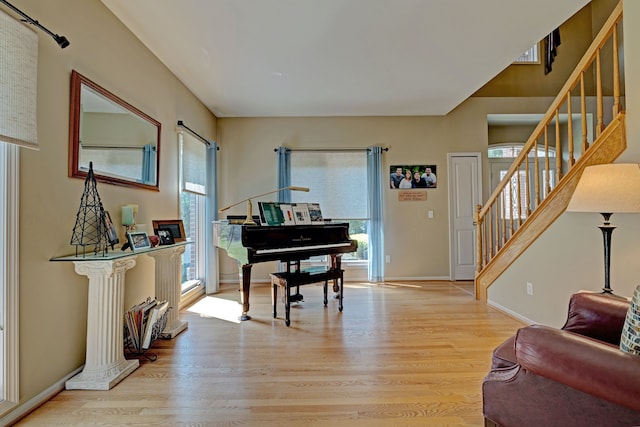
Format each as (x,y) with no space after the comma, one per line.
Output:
(105,365)
(168,286)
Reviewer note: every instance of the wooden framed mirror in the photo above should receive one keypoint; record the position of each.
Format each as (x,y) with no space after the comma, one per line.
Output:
(122,142)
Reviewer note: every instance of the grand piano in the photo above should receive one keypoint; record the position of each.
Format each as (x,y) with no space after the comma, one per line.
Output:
(251,244)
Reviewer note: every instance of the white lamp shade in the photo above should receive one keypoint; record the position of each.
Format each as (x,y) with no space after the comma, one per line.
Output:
(610,188)
(18,82)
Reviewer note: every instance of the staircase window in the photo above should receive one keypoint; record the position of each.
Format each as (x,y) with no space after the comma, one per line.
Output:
(531,56)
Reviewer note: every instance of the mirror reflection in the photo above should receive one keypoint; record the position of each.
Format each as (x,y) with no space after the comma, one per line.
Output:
(122,142)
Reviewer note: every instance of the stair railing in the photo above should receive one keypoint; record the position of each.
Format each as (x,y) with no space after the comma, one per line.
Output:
(532,176)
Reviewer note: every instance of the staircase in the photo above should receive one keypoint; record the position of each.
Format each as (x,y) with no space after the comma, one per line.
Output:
(577,131)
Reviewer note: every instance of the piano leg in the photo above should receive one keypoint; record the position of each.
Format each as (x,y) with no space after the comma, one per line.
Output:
(287,306)
(341,293)
(244,290)
(291,267)
(325,292)
(336,263)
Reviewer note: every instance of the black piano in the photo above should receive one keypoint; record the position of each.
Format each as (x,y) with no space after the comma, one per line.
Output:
(251,244)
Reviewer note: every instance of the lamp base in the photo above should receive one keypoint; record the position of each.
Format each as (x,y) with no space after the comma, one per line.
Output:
(607,230)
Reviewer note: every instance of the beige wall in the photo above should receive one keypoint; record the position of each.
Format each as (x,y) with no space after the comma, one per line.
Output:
(419,247)
(569,256)
(529,79)
(53,299)
(576,35)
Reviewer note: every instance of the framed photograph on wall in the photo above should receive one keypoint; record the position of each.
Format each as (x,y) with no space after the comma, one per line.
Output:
(174,226)
(138,240)
(413,176)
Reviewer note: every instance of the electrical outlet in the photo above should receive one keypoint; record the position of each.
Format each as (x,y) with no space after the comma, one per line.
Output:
(529,288)
(387,259)
(430,214)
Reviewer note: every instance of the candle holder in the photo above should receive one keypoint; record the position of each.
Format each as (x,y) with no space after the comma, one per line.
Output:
(129,217)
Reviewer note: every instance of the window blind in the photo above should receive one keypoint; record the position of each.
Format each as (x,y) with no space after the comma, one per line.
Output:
(193,155)
(18,83)
(337,180)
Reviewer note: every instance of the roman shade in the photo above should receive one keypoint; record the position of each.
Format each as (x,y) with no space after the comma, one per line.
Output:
(194,164)
(18,83)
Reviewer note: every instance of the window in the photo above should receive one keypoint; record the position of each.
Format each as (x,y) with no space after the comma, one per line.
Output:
(193,160)
(529,57)
(511,195)
(193,214)
(18,125)
(338,181)
(512,151)
(9,171)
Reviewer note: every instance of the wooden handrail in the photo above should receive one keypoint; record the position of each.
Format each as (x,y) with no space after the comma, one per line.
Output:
(513,200)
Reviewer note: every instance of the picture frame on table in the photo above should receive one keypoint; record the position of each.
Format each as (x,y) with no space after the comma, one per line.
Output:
(138,240)
(174,226)
(112,235)
(165,237)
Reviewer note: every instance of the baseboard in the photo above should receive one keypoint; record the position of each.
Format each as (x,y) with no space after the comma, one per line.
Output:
(419,278)
(25,408)
(362,279)
(510,312)
(191,296)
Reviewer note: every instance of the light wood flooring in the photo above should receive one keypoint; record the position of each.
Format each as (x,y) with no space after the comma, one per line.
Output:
(400,354)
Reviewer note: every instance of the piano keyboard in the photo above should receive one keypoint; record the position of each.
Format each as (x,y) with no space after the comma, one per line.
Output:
(301,248)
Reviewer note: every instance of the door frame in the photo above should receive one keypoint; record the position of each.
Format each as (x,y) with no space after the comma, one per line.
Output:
(450,157)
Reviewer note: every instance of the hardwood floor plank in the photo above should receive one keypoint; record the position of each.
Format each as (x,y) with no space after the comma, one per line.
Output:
(401,353)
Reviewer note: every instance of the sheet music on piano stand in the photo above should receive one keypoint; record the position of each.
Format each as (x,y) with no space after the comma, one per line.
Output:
(287,214)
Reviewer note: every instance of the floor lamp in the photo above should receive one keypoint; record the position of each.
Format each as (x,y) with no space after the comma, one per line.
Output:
(607,189)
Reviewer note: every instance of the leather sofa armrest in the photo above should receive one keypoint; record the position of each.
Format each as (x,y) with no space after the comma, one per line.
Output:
(504,356)
(597,315)
(593,367)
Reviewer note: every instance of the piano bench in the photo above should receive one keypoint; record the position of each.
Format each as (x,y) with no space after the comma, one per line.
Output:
(304,277)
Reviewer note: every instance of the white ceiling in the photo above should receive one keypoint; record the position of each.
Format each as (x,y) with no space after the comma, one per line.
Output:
(246,58)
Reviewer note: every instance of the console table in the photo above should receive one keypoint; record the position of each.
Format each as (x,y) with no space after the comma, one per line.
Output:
(105,365)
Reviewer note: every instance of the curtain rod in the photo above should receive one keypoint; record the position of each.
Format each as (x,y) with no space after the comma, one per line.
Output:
(61,40)
(111,147)
(194,133)
(351,150)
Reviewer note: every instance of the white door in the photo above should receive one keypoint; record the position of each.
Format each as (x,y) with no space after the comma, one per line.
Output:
(465,193)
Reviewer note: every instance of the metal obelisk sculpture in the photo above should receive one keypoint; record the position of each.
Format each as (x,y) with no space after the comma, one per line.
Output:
(90,228)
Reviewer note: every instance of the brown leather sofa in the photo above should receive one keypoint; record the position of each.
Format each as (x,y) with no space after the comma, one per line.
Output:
(574,376)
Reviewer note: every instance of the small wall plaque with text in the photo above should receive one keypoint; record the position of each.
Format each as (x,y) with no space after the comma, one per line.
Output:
(412,196)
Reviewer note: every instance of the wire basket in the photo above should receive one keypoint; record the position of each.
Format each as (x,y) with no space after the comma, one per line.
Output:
(137,347)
